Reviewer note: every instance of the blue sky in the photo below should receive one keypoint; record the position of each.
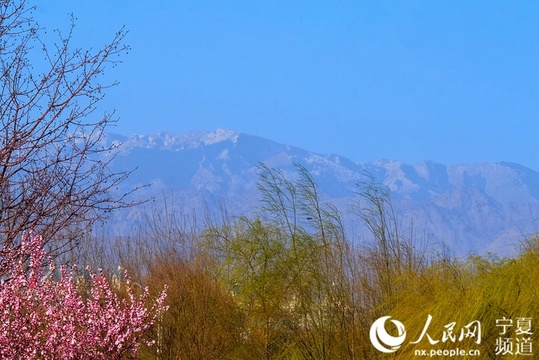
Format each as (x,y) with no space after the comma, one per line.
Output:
(447,81)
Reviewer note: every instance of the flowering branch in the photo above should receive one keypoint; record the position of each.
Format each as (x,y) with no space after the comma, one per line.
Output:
(46,318)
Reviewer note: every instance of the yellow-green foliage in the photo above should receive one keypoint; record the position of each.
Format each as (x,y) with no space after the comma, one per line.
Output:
(482,289)
(290,284)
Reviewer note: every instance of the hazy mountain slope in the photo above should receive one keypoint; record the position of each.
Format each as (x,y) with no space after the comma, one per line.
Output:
(470,207)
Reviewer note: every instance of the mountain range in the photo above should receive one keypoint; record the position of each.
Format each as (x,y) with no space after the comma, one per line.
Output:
(470,208)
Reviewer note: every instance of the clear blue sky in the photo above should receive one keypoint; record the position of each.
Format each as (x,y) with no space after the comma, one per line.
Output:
(448,81)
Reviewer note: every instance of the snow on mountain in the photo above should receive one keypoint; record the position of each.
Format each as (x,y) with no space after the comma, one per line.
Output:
(469,207)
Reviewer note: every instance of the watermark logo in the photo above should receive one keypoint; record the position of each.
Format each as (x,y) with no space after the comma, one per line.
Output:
(516,342)
(515,337)
(382,340)
(390,342)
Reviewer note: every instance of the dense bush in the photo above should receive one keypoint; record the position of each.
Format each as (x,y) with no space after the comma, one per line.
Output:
(276,286)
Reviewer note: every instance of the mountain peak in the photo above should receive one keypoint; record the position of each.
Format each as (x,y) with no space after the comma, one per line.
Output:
(478,207)
(220,135)
(172,141)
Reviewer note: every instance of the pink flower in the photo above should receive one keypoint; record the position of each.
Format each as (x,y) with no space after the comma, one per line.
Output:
(46,318)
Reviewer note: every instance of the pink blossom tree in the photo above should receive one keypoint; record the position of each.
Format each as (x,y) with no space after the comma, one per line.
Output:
(44,315)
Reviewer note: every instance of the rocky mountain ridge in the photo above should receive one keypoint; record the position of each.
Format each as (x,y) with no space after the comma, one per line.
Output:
(484,207)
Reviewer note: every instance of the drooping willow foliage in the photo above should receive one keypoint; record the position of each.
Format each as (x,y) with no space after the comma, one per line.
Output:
(289,283)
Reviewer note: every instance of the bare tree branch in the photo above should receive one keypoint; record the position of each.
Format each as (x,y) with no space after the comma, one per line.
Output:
(54,160)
